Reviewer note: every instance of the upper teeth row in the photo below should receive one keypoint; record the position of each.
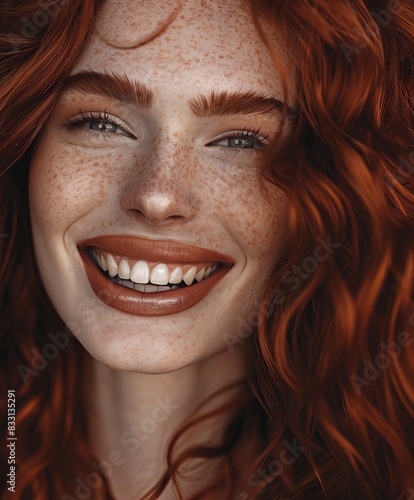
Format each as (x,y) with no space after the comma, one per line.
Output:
(160,275)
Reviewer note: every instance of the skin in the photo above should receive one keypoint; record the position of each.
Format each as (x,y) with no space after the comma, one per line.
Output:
(166,184)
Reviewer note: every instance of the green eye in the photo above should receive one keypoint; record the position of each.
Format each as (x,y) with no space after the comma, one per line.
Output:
(242,139)
(238,142)
(97,122)
(103,127)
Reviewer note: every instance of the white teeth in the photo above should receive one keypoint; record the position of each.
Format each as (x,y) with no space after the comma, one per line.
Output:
(140,272)
(190,275)
(112,267)
(160,275)
(104,264)
(176,276)
(200,275)
(124,271)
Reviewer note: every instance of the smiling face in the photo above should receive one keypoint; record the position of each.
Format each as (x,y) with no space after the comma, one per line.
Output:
(154,144)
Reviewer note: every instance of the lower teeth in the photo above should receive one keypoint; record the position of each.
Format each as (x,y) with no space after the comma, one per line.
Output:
(149,288)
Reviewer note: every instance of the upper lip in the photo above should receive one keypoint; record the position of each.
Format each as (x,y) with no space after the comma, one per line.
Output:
(154,250)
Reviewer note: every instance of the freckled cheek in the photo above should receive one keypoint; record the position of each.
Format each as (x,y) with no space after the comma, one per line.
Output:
(266,234)
(258,219)
(65,185)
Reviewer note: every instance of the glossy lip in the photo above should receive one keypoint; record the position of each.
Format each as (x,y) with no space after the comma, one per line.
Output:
(154,250)
(157,303)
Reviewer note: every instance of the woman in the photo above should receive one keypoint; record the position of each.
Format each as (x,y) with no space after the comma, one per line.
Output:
(207,260)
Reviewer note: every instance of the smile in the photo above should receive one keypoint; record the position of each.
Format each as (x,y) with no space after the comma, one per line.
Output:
(150,278)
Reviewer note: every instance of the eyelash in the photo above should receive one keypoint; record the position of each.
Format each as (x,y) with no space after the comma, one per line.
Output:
(95,116)
(83,117)
(255,134)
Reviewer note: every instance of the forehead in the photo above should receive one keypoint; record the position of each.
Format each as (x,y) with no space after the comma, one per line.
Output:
(174,43)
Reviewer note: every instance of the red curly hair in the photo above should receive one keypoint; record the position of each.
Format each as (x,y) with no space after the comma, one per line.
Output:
(331,371)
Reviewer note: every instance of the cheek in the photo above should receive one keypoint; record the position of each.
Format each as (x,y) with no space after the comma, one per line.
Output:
(265,224)
(65,185)
(256,218)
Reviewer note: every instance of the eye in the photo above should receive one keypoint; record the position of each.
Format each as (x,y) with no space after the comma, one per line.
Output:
(107,127)
(238,142)
(99,123)
(242,139)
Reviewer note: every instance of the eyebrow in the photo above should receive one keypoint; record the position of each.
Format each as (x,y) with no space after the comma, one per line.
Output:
(121,88)
(112,85)
(239,102)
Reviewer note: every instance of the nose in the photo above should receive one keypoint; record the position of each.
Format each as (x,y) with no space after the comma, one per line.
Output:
(161,190)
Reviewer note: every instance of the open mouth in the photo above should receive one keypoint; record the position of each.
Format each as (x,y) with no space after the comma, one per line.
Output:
(156,279)
(151,277)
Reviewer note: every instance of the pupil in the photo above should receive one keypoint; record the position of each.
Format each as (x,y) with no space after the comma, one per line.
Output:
(102,127)
(238,142)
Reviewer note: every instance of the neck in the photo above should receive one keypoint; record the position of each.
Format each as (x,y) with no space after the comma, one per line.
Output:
(134,415)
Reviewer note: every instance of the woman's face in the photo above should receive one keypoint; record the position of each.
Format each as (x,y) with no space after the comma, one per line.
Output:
(153,149)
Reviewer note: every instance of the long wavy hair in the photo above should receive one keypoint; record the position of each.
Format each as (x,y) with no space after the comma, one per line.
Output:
(330,385)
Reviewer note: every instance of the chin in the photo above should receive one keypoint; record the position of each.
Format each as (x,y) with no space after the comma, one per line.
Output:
(144,344)
(148,347)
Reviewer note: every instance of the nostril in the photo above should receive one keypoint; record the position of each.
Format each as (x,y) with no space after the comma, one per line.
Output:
(136,212)
(157,207)
(155,218)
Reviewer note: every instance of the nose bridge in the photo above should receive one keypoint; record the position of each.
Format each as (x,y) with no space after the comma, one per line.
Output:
(162,187)
(166,163)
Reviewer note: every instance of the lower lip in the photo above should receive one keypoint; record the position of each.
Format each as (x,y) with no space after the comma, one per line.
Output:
(147,304)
